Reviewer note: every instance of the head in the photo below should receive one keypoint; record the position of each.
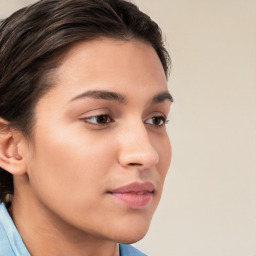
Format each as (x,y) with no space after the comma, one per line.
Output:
(83,103)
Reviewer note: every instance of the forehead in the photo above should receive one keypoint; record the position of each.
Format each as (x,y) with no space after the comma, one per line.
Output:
(109,64)
(107,52)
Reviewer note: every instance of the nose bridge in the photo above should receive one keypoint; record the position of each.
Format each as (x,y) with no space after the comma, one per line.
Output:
(136,147)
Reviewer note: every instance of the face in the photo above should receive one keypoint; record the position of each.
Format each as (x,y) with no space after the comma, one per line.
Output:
(100,148)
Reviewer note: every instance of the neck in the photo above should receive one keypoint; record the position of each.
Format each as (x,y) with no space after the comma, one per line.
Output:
(38,227)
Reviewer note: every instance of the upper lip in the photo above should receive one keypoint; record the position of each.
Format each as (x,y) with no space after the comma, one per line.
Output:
(135,187)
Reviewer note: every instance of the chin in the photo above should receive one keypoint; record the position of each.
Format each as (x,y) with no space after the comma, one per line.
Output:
(130,239)
(132,233)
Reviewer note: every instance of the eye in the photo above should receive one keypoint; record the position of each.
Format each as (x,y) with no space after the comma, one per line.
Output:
(157,121)
(98,120)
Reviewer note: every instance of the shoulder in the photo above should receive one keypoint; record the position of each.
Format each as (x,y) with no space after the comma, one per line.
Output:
(128,250)
(6,248)
(10,240)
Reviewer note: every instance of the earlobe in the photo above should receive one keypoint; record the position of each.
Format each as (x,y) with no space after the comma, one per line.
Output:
(10,159)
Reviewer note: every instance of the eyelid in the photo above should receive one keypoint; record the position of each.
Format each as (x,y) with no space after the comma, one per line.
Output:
(157,115)
(91,118)
(95,123)
(94,112)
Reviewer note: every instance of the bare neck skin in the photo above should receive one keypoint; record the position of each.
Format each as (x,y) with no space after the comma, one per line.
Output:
(44,234)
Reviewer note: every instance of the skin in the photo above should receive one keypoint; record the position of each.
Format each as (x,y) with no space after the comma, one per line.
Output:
(61,190)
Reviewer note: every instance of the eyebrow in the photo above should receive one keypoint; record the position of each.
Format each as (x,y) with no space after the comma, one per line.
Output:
(103,95)
(114,96)
(162,96)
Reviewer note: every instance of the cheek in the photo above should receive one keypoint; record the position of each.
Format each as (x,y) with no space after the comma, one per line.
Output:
(165,155)
(66,163)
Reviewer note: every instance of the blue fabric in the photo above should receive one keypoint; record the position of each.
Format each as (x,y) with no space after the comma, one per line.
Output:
(11,243)
(128,250)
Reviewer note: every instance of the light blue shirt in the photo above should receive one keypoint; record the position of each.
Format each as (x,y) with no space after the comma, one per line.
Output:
(11,243)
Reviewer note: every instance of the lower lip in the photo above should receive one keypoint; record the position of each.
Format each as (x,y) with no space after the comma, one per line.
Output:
(133,200)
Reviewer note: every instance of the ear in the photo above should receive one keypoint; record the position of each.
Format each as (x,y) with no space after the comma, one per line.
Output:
(11,158)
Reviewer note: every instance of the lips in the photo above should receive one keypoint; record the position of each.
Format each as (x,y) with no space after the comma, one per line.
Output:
(134,195)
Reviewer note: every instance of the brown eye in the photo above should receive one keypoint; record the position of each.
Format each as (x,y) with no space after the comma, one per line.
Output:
(98,120)
(158,121)
(102,119)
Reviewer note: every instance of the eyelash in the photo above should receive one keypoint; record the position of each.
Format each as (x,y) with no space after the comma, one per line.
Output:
(162,119)
(106,119)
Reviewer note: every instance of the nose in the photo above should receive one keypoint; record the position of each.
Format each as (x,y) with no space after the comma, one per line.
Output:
(136,149)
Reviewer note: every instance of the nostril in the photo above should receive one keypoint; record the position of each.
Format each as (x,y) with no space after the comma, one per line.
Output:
(145,156)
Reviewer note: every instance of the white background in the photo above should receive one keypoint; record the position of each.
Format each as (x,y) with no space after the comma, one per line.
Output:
(209,202)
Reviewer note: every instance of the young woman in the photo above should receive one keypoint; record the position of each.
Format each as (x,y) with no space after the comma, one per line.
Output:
(83,145)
